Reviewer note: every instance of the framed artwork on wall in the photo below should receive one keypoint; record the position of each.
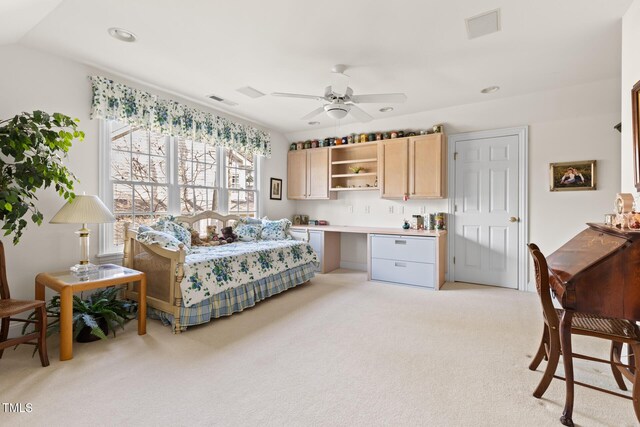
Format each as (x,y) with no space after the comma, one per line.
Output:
(276,189)
(572,176)
(635,118)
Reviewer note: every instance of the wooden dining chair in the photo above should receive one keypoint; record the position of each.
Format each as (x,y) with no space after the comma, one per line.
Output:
(10,307)
(618,331)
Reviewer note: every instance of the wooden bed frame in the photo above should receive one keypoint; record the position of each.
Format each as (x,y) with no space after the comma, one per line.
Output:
(165,268)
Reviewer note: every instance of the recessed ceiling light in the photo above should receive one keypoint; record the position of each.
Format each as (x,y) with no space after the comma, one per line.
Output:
(122,34)
(386,109)
(490,89)
(314,123)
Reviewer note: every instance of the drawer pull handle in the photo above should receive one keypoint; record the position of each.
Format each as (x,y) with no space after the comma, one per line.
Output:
(400,264)
(401,242)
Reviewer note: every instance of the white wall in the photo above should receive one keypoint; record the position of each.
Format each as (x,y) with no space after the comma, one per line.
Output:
(630,75)
(31,80)
(573,123)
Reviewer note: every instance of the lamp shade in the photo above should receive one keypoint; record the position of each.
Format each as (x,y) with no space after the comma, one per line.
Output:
(83,210)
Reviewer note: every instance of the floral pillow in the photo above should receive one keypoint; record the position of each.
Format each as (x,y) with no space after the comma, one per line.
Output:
(176,230)
(248,232)
(247,220)
(275,230)
(163,239)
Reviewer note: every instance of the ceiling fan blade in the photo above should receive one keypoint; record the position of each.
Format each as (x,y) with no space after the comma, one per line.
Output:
(313,113)
(359,113)
(297,95)
(381,98)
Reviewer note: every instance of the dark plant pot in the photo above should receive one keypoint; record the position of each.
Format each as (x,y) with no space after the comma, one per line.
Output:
(85,334)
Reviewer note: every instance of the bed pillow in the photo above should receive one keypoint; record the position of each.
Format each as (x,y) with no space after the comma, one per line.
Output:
(248,220)
(248,232)
(176,230)
(275,230)
(165,240)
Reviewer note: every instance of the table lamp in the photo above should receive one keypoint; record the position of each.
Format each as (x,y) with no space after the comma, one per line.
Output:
(83,210)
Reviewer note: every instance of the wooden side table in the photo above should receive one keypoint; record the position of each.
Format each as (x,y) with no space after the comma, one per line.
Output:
(67,283)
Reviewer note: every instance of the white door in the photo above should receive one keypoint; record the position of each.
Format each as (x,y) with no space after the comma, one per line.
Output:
(486,207)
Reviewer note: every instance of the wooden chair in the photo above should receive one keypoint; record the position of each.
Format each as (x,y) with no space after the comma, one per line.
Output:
(10,307)
(618,331)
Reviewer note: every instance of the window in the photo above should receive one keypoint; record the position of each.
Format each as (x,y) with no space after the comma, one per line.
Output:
(241,176)
(146,175)
(197,176)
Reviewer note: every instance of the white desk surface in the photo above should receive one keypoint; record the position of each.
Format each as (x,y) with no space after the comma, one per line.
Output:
(372,230)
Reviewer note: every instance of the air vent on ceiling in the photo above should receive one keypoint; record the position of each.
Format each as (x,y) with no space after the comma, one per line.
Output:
(250,92)
(483,24)
(222,100)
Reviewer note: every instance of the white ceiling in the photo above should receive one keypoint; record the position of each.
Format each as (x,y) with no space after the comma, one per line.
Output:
(418,47)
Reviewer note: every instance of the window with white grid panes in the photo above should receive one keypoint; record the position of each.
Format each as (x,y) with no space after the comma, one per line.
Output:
(151,175)
(139,176)
(241,184)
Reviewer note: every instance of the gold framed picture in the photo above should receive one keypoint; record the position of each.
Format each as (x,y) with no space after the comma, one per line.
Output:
(572,176)
(635,127)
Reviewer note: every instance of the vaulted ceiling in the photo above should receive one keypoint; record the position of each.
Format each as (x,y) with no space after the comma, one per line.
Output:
(419,47)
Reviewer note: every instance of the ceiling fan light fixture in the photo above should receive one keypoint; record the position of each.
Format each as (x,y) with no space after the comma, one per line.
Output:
(122,34)
(490,89)
(337,111)
(386,109)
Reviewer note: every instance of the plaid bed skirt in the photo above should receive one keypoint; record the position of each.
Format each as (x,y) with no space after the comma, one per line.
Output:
(237,299)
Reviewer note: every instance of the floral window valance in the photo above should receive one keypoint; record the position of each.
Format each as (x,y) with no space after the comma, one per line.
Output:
(116,101)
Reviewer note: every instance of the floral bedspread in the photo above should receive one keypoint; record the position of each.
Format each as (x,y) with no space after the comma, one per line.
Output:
(211,270)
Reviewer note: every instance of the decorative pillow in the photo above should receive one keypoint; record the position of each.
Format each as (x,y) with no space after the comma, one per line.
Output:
(275,230)
(143,227)
(176,230)
(248,220)
(248,232)
(165,240)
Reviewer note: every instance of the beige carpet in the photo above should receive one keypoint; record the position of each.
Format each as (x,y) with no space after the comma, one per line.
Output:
(338,351)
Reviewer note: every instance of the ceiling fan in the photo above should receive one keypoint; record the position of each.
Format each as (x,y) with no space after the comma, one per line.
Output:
(341,101)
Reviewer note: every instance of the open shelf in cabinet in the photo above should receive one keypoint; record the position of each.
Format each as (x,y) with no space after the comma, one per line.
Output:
(345,158)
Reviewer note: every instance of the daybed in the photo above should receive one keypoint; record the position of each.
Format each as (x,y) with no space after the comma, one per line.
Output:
(185,289)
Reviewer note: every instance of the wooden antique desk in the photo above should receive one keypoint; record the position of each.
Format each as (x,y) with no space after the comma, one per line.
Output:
(596,272)
(67,283)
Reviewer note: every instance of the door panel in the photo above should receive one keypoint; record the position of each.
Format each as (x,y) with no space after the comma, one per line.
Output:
(297,175)
(318,177)
(486,241)
(393,158)
(426,166)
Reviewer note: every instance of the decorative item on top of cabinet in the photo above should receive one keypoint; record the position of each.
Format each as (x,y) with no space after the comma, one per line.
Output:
(413,167)
(308,174)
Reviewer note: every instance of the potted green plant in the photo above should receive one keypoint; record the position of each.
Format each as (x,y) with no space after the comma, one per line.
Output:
(94,317)
(34,147)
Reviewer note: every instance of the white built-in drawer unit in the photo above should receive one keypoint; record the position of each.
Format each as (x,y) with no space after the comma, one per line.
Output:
(404,259)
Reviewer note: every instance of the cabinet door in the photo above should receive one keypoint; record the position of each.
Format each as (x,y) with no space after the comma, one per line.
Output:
(426,166)
(297,175)
(318,173)
(392,168)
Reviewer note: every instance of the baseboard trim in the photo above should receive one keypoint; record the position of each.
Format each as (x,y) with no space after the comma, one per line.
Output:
(358,266)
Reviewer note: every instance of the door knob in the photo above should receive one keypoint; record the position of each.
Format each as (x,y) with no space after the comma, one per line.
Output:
(514,219)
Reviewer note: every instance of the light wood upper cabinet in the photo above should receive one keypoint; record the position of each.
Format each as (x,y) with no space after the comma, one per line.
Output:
(393,168)
(427,166)
(414,167)
(308,174)
(297,175)
(318,173)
